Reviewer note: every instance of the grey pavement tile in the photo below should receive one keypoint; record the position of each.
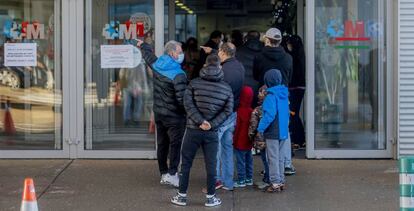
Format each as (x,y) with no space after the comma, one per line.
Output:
(134,185)
(13,173)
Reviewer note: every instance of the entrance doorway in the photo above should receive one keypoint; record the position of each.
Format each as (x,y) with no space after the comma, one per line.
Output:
(196,18)
(346,109)
(235,19)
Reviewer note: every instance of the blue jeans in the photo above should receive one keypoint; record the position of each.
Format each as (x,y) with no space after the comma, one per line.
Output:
(265,164)
(129,98)
(286,151)
(244,164)
(225,162)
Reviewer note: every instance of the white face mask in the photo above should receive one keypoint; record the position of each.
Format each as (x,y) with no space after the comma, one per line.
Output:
(180,58)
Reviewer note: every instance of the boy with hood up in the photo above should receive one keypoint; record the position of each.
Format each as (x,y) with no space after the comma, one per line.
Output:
(274,127)
(242,144)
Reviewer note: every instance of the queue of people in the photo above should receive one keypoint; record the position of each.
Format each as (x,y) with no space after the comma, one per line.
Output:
(228,99)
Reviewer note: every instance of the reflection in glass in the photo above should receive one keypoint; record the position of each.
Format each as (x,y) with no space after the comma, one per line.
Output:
(349,74)
(30,94)
(118,101)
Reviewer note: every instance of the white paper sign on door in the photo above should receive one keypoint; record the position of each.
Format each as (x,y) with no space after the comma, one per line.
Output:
(117,56)
(20,54)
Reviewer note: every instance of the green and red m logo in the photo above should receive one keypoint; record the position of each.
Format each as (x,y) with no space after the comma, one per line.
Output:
(353,35)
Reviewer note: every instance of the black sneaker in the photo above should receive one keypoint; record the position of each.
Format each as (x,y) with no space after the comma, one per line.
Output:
(179,199)
(290,171)
(212,201)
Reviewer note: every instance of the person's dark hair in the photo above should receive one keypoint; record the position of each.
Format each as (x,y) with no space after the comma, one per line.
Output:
(298,50)
(237,38)
(229,49)
(296,42)
(191,43)
(253,35)
(191,40)
(215,34)
(213,59)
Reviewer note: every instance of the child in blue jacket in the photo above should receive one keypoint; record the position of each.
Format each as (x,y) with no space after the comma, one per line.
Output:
(274,127)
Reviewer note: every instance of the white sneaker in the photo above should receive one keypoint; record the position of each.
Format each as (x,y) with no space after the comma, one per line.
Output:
(164,179)
(179,199)
(212,201)
(173,180)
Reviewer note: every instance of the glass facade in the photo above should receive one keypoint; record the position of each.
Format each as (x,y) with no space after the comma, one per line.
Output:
(350,74)
(349,95)
(30,75)
(118,100)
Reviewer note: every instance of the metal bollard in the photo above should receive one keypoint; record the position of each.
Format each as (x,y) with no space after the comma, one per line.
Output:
(407,184)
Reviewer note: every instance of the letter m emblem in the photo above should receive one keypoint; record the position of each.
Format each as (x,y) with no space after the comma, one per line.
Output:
(356,31)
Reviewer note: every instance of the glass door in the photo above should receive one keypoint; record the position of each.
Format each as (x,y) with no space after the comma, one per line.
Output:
(118,118)
(31,93)
(347,78)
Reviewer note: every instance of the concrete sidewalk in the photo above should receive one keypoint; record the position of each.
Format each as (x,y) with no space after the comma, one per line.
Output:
(134,185)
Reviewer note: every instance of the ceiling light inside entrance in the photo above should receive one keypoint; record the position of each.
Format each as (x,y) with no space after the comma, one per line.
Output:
(184,7)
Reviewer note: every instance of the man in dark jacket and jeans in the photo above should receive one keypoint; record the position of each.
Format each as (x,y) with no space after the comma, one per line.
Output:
(170,83)
(208,102)
(234,75)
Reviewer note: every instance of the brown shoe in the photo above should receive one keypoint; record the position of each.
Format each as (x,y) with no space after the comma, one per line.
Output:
(274,188)
(283,186)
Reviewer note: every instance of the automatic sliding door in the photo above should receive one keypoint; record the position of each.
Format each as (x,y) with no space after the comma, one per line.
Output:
(349,78)
(118,83)
(30,79)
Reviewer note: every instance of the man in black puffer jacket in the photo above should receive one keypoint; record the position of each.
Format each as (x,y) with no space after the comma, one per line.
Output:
(170,83)
(208,102)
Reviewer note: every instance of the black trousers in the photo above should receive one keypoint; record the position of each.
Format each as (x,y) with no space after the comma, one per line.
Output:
(208,141)
(169,138)
(296,125)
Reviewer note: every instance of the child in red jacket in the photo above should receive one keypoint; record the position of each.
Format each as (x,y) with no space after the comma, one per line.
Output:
(242,143)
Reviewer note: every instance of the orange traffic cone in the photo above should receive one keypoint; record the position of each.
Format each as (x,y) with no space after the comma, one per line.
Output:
(117,97)
(9,128)
(29,202)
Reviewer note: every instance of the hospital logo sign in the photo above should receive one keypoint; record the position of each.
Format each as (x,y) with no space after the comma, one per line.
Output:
(24,30)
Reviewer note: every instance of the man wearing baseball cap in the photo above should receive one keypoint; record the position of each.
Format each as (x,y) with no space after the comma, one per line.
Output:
(273,56)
